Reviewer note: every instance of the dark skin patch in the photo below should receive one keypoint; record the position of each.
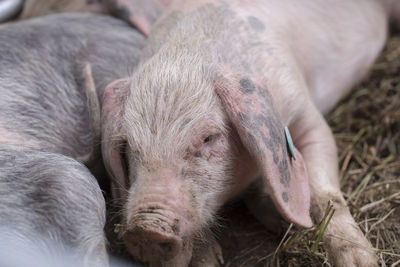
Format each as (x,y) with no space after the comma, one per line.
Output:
(186,121)
(247,86)
(256,24)
(256,121)
(285,197)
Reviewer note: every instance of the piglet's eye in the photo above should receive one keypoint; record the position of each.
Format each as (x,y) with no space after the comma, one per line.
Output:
(208,139)
(211,138)
(124,161)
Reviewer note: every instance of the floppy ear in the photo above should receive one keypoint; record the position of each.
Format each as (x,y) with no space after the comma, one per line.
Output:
(94,156)
(140,13)
(249,106)
(112,109)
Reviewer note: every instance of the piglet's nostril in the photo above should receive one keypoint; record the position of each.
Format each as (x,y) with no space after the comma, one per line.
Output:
(151,244)
(166,246)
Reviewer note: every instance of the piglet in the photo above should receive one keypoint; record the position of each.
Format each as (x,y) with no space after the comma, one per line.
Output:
(50,205)
(203,118)
(52,212)
(45,79)
(49,70)
(139,13)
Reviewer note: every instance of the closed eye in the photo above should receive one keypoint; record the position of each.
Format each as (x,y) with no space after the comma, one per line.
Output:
(125,162)
(210,139)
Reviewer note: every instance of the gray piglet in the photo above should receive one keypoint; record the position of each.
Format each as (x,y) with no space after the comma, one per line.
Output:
(44,83)
(50,205)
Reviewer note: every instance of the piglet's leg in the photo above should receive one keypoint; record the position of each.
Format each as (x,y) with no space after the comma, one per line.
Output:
(343,239)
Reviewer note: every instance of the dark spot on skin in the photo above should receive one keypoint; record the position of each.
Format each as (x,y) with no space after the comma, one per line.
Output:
(265,95)
(186,121)
(244,120)
(255,23)
(266,119)
(276,158)
(165,246)
(284,171)
(247,86)
(285,197)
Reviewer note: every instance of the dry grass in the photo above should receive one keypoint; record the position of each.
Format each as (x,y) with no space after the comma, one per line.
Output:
(366,124)
(367,131)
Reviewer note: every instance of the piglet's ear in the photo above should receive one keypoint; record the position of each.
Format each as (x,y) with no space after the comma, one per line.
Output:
(249,106)
(140,13)
(112,110)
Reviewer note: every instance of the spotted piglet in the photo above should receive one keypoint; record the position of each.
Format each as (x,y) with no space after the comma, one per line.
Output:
(49,70)
(202,119)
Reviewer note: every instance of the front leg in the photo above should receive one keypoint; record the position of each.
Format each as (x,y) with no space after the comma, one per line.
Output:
(343,239)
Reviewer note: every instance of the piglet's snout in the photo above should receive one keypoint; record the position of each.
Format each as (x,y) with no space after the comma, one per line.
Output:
(147,244)
(159,215)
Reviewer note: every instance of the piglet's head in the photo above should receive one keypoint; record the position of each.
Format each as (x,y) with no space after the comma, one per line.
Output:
(167,145)
(178,145)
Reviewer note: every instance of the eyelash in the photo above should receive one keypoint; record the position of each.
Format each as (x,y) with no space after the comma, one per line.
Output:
(124,162)
(211,138)
(208,139)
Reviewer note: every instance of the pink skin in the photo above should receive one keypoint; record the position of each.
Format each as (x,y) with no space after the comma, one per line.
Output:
(203,116)
(9,138)
(111,115)
(290,196)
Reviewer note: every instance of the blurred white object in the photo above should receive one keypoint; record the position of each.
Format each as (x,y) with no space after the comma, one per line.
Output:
(9,8)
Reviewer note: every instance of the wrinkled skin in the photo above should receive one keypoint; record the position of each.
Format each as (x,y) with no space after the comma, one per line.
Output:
(44,114)
(203,117)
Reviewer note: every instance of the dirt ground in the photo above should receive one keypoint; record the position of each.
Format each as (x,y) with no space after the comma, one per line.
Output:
(366,125)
